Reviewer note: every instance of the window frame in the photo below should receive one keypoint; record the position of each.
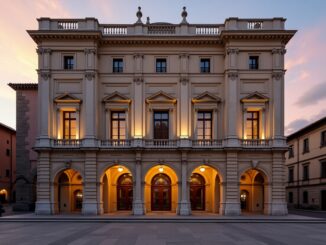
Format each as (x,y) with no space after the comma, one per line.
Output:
(203,67)
(323,169)
(323,138)
(119,127)
(252,119)
(305,146)
(117,69)
(204,120)
(64,119)
(291,174)
(253,65)
(305,172)
(291,152)
(290,197)
(305,197)
(69,66)
(158,135)
(159,68)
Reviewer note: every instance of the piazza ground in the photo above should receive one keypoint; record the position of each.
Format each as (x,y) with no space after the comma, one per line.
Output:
(162,233)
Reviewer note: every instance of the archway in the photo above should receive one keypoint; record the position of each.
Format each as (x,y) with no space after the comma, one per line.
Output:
(3,196)
(68,191)
(197,192)
(161,193)
(253,191)
(161,189)
(116,189)
(205,192)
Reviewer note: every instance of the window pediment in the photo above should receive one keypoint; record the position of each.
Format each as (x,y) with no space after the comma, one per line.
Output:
(206,97)
(255,97)
(116,97)
(67,98)
(161,97)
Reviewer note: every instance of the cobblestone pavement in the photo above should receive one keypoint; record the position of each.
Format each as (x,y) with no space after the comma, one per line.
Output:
(159,234)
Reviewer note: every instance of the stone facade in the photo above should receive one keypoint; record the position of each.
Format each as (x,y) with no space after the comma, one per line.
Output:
(306,167)
(179,73)
(26,157)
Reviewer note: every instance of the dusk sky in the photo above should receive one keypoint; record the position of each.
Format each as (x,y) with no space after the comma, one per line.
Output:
(305,79)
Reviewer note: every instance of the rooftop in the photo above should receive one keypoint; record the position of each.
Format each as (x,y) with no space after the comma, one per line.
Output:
(307,129)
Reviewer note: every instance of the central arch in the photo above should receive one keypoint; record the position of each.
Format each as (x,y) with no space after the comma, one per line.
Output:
(197,192)
(161,193)
(161,189)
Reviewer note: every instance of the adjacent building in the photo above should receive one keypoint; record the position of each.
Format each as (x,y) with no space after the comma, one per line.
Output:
(152,117)
(7,163)
(306,167)
(25,157)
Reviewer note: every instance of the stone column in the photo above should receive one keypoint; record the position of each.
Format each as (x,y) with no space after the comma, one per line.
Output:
(138,204)
(231,98)
(278,109)
(184,204)
(90,202)
(278,204)
(44,97)
(43,203)
(138,108)
(232,202)
(184,108)
(90,108)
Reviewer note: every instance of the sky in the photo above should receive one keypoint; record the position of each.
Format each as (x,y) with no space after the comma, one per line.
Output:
(305,60)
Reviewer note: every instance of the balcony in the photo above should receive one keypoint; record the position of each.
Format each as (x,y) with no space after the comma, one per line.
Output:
(116,143)
(65,143)
(155,143)
(207,143)
(256,143)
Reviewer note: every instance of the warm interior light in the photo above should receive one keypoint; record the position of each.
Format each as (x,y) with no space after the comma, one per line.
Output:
(120,169)
(138,137)
(160,169)
(202,169)
(184,137)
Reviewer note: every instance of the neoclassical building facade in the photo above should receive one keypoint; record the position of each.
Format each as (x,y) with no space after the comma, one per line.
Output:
(150,117)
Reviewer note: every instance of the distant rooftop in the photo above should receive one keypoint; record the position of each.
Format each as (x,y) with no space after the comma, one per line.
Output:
(307,129)
(23,86)
(7,127)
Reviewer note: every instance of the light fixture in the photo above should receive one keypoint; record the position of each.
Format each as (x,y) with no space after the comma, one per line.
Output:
(202,169)
(160,169)
(120,169)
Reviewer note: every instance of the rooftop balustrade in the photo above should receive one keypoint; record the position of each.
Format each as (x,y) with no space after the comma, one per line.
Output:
(183,29)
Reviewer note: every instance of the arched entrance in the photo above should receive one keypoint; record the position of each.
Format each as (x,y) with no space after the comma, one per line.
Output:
(161,189)
(161,193)
(68,191)
(3,196)
(124,192)
(205,191)
(252,191)
(116,189)
(197,192)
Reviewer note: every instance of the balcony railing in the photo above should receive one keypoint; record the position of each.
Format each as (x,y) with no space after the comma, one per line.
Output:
(116,143)
(207,143)
(67,143)
(255,143)
(155,143)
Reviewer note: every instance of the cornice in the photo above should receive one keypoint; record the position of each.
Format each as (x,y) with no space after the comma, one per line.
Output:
(23,86)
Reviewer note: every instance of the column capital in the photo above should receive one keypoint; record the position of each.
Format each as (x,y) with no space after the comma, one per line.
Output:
(280,51)
(45,75)
(43,51)
(232,50)
(233,75)
(137,56)
(184,80)
(89,75)
(278,75)
(138,80)
(184,55)
(90,51)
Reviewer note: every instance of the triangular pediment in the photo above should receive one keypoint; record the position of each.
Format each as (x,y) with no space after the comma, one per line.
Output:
(206,97)
(67,98)
(116,97)
(160,97)
(255,97)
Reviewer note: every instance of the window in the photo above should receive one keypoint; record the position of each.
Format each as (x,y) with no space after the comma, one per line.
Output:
(160,65)
(8,152)
(204,125)
(205,65)
(118,125)
(291,174)
(161,125)
(69,125)
(305,172)
(117,65)
(305,145)
(253,62)
(323,169)
(290,197)
(323,138)
(305,197)
(7,173)
(68,62)
(252,125)
(291,153)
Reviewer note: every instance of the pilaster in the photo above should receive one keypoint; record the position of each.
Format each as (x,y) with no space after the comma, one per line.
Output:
(138,107)
(43,203)
(90,202)
(184,204)
(138,203)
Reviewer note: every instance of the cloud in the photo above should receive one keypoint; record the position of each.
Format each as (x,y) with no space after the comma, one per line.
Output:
(314,95)
(301,123)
